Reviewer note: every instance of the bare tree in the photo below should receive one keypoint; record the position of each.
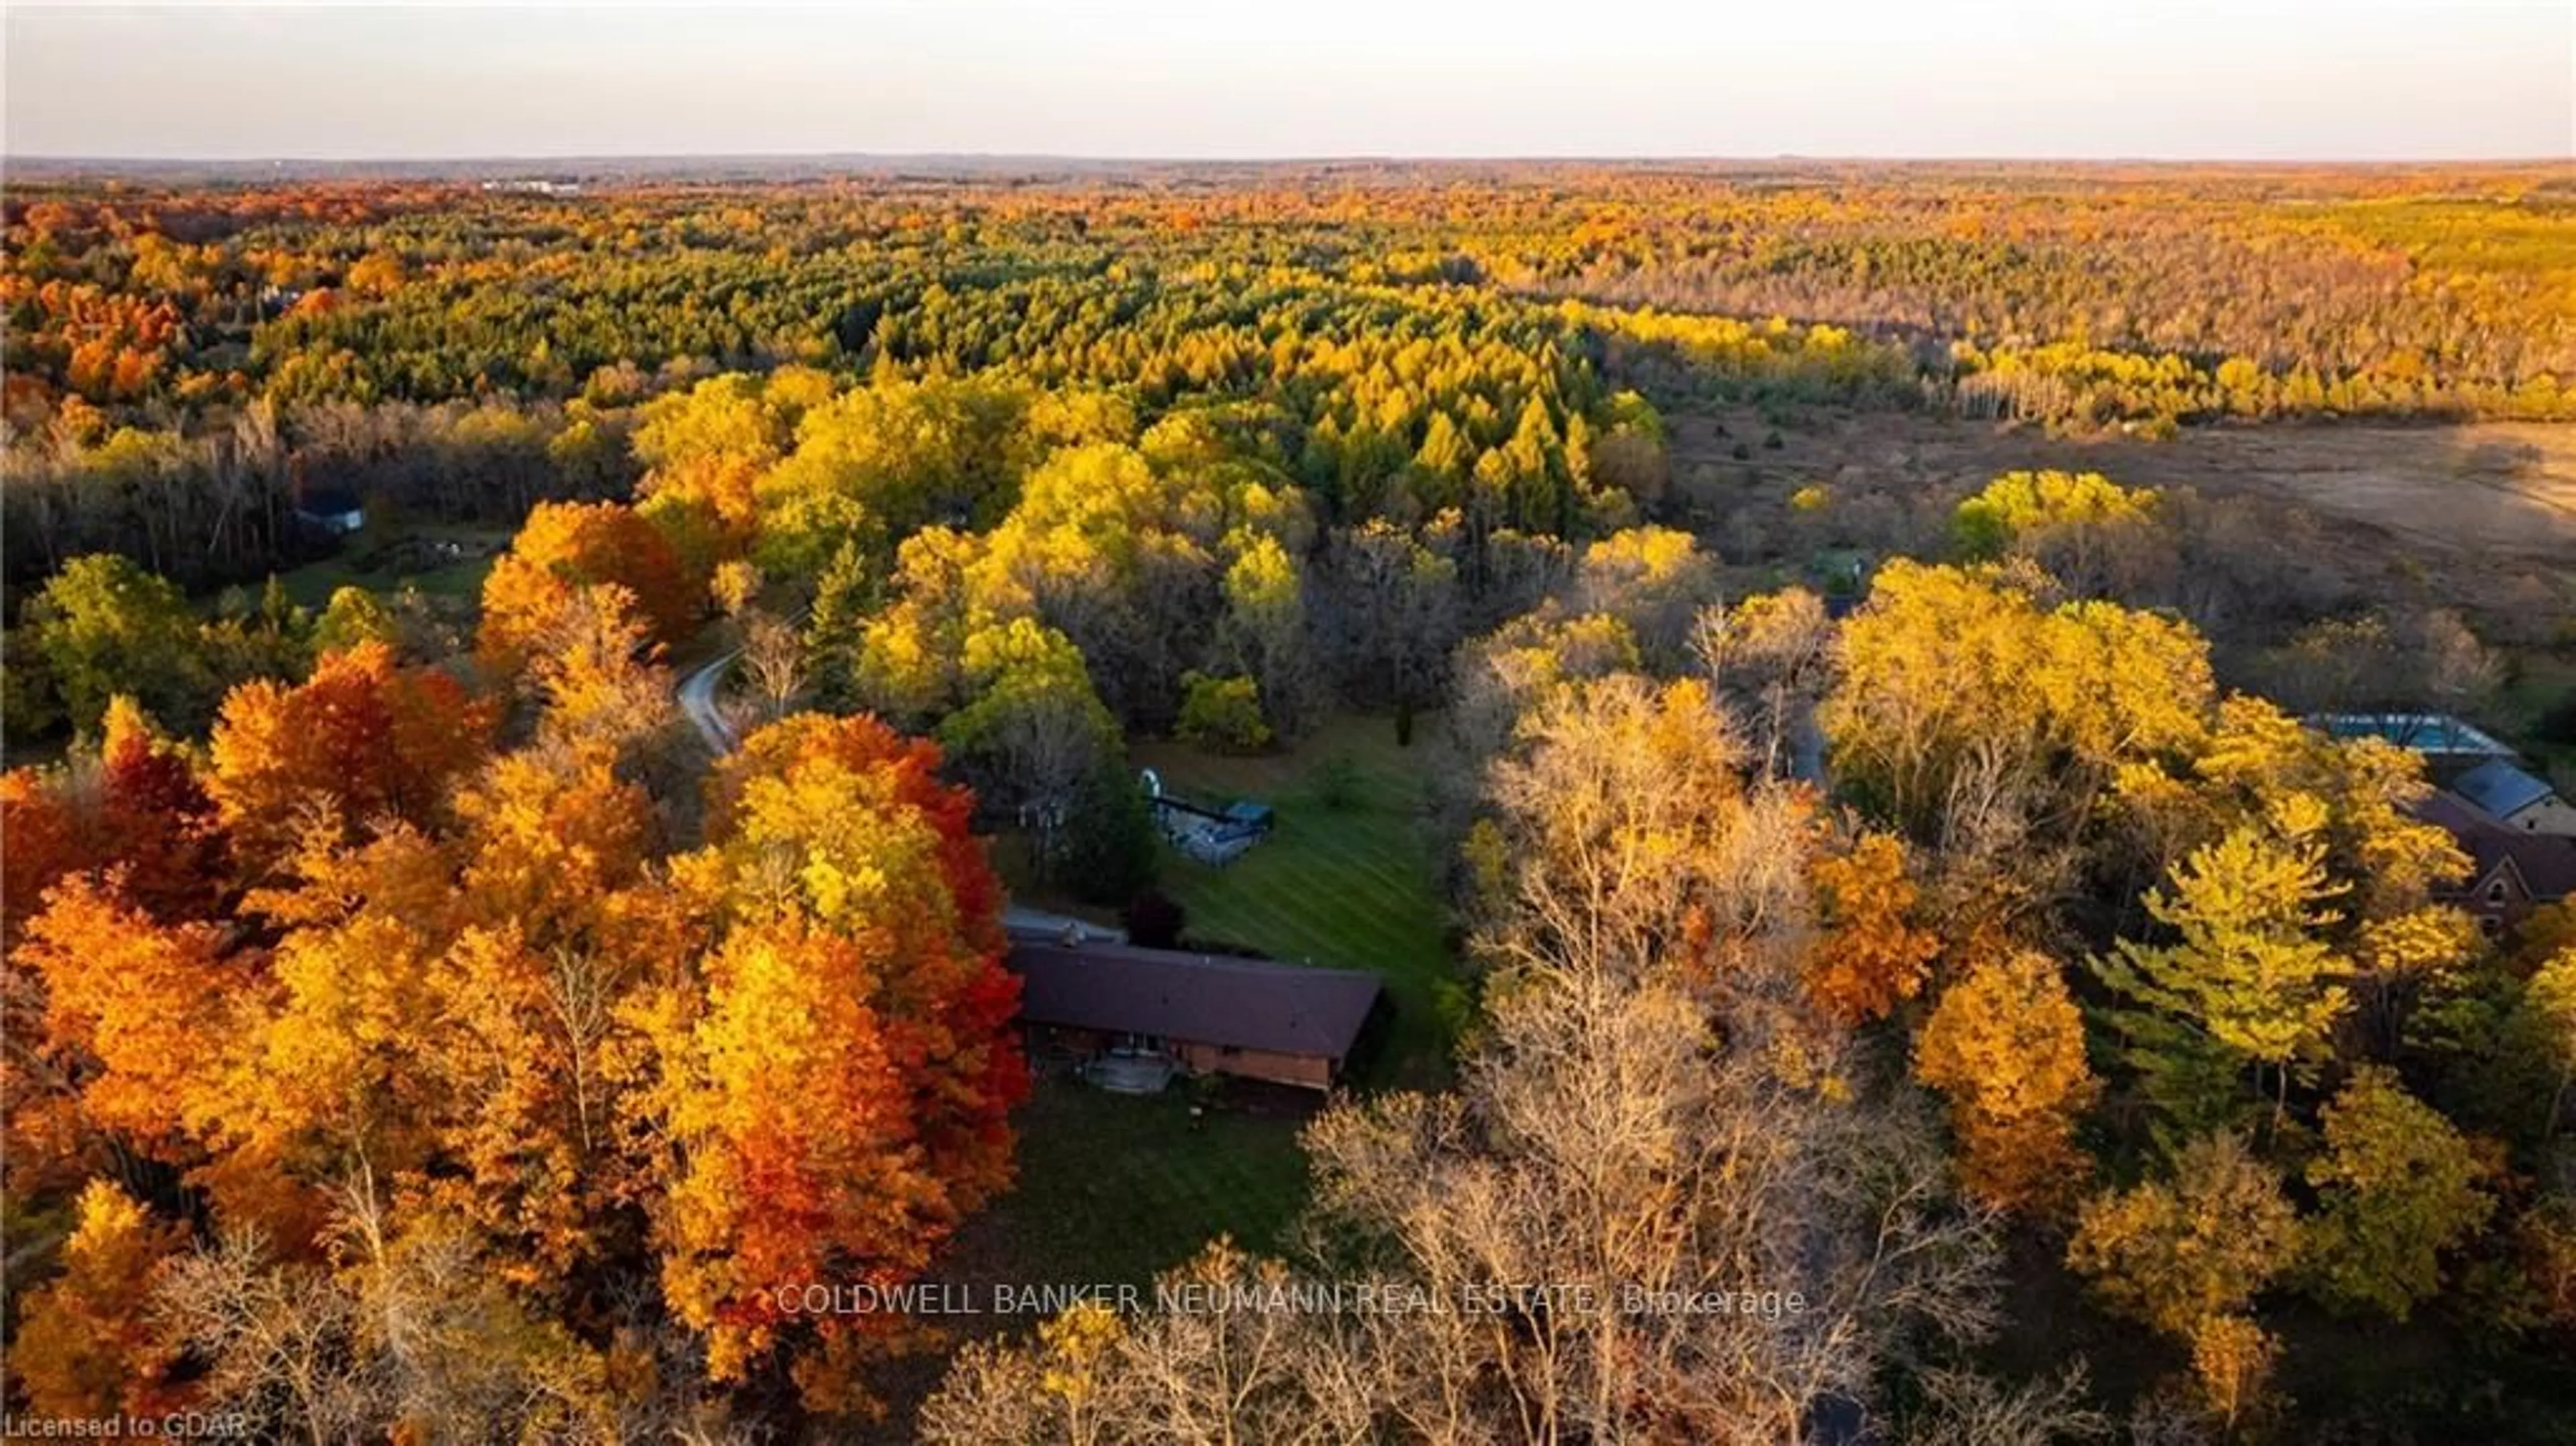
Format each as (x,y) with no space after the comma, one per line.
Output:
(406,1326)
(1771,658)
(1393,609)
(1965,1408)
(773,659)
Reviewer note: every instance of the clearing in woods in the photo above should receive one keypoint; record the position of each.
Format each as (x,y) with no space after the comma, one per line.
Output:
(2487,489)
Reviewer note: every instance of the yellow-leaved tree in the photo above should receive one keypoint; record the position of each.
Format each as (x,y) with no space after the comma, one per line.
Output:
(2006,1046)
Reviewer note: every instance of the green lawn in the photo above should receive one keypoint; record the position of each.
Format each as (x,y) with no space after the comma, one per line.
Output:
(1113,1190)
(385,555)
(1349,887)
(1117,1188)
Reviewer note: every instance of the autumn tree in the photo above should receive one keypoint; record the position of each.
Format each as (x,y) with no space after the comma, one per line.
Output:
(332,1063)
(1503,676)
(48,838)
(1974,716)
(2247,979)
(363,738)
(1631,840)
(2399,1188)
(565,547)
(2091,533)
(840,1098)
(879,462)
(132,1009)
(773,660)
(88,1346)
(904,661)
(535,1044)
(1032,729)
(135,804)
(1871,956)
(1266,629)
(2176,1253)
(2549,1002)
(1095,1377)
(1222,715)
(2006,1045)
(2188,1256)
(1771,658)
(352,617)
(1118,556)
(1654,579)
(602,689)
(802,1157)
(2358,798)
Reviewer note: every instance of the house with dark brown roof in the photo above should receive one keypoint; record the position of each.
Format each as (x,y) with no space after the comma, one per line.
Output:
(2511,871)
(1211,1014)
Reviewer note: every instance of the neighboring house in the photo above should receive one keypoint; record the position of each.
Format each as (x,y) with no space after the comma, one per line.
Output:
(2516,799)
(335,510)
(1211,1014)
(2511,872)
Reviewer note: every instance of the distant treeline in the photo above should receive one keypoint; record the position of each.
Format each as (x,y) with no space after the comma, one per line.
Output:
(2072,296)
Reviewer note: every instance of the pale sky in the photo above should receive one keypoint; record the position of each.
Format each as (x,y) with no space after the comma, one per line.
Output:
(2205,79)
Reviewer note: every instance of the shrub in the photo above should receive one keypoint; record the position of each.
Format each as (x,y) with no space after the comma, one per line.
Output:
(1154,920)
(1222,715)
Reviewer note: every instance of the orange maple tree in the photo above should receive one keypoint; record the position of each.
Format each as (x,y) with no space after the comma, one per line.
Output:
(842,1097)
(133,1008)
(1870,958)
(137,805)
(568,546)
(361,740)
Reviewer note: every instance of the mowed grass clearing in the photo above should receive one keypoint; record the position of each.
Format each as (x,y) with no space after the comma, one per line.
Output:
(1112,1191)
(1345,883)
(1118,1188)
(385,556)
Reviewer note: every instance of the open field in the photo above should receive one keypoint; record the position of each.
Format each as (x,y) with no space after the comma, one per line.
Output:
(2489,490)
(2353,517)
(442,560)
(1349,886)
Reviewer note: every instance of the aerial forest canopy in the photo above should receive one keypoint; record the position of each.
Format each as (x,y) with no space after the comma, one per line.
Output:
(535,713)
(180,358)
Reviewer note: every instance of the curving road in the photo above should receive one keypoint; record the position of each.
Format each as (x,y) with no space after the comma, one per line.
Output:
(698,699)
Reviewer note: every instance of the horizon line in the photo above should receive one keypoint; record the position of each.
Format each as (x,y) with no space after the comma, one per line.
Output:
(1316,158)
